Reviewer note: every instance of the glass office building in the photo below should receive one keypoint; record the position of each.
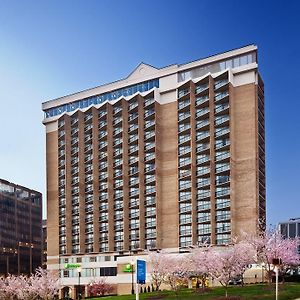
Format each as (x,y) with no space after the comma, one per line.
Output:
(20,229)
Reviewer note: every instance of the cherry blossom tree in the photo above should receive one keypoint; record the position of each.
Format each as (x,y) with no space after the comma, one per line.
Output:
(100,288)
(270,244)
(170,269)
(45,284)
(199,263)
(41,285)
(176,271)
(157,271)
(226,263)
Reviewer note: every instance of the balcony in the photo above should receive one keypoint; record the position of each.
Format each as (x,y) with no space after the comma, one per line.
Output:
(203,194)
(149,156)
(118,205)
(87,148)
(149,113)
(183,92)
(203,147)
(225,179)
(221,131)
(88,127)
(149,101)
(149,135)
(118,151)
(103,165)
(184,150)
(149,146)
(133,149)
(221,107)
(183,139)
(184,104)
(202,123)
(201,182)
(203,171)
(74,160)
(102,124)
(222,167)
(221,95)
(149,168)
(149,124)
(221,120)
(204,206)
(222,143)
(222,155)
(150,201)
(149,178)
(74,131)
(61,143)
(183,162)
(223,204)
(61,134)
(203,219)
(133,138)
(117,131)
(102,134)
(218,84)
(74,141)
(132,116)
(150,224)
(202,99)
(103,206)
(202,112)
(150,190)
(201,135)
(222,191)
(117,109)
(117,120)
(187,208)
(184,186)
(132,127)
(118,194)
(133,170)
(223,217)
(183,116)
(133,105)
(183,127)
(88,117)
(133,181)
(150,213)
(200,88)
(102,113)
(184,173)
(133,203)
(223,229)
(88,158)
(74,121)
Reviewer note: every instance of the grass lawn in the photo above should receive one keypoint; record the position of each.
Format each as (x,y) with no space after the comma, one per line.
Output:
(255,292)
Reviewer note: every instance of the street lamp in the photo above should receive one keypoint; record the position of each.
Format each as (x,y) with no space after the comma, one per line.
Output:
(132,265)
(79,288)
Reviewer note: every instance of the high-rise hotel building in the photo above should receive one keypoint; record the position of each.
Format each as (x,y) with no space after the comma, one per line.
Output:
(165,158)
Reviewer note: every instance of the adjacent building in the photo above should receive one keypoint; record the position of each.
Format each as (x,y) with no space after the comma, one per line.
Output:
(290,229)
(20,229)
(166,158)
(44,230)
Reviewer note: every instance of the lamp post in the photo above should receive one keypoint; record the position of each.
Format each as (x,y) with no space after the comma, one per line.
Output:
(132,279)
(79,287)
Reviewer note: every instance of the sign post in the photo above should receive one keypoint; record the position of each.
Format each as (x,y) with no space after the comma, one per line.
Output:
(140,275)
(276,262)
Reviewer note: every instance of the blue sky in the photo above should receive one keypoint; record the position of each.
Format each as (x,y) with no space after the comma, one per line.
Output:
(52,48)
